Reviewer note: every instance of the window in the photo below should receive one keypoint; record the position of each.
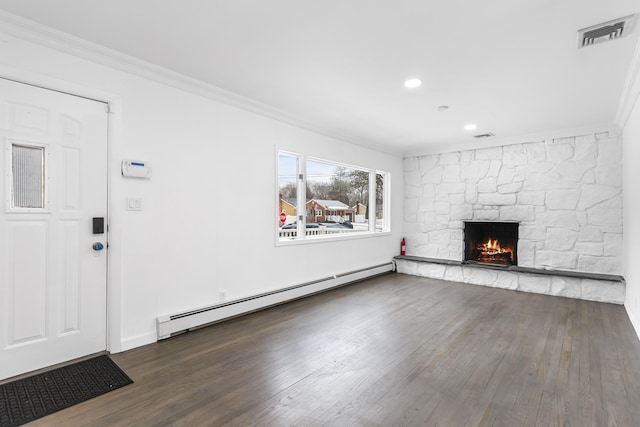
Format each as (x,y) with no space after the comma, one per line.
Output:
(27,177)
(339,200)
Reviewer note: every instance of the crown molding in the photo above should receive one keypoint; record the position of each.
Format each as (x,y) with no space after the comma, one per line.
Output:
(630,90)
(610,130)
(39,34)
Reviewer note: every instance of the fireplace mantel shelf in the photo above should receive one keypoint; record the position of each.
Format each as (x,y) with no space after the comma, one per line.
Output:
(517,269)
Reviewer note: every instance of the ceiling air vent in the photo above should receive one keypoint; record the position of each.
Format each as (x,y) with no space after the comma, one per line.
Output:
(606,31)
(483,135)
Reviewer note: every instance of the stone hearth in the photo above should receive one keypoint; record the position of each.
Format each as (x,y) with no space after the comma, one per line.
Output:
(588,286)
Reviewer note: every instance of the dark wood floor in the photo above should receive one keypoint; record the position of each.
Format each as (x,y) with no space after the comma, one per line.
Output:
(392,351)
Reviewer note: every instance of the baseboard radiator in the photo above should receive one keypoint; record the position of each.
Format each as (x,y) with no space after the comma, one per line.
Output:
(180,322)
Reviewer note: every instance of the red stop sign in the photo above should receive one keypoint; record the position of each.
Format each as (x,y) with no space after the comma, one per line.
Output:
(283,217)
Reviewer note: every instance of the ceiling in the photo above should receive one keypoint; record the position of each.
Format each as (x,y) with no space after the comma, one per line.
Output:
(338,67)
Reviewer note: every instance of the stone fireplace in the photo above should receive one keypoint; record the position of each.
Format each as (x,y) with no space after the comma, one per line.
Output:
(563,196)
(491,242)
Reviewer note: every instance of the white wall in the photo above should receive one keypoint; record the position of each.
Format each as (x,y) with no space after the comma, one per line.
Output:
(631,212)
(207,222)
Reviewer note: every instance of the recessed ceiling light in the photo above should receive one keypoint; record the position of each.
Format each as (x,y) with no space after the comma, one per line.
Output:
(442,108)
(413,83)
(471,126)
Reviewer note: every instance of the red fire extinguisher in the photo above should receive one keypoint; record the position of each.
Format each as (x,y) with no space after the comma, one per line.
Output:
(403,247)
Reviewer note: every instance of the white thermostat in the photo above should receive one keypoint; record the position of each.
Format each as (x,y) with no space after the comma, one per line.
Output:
(136,169)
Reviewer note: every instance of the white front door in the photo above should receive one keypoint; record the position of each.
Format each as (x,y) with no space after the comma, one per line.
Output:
(53,162)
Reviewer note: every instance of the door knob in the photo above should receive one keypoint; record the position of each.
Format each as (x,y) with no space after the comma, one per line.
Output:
(97,246)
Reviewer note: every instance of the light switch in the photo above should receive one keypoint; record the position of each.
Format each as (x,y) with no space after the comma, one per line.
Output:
(134,204)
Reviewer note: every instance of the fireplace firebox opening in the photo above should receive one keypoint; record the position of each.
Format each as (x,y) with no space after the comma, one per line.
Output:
(491,242)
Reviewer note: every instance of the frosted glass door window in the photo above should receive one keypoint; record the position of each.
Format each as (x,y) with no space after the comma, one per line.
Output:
(27,184)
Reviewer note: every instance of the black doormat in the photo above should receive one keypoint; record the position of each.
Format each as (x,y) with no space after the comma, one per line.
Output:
(34,397)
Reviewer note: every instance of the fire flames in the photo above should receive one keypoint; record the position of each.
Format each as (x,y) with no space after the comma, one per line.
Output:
(492,247)
(491,252)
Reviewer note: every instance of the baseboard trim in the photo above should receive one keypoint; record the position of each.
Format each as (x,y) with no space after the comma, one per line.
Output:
(137,341)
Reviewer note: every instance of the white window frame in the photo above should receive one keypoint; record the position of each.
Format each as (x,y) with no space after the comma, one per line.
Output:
(301,237)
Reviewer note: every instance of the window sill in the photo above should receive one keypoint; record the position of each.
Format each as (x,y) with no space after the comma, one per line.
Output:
(329,238)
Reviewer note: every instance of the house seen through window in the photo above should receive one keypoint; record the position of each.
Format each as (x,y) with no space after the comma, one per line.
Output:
(320,199)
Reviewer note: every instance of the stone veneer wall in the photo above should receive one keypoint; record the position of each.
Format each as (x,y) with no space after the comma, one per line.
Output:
(565,193)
